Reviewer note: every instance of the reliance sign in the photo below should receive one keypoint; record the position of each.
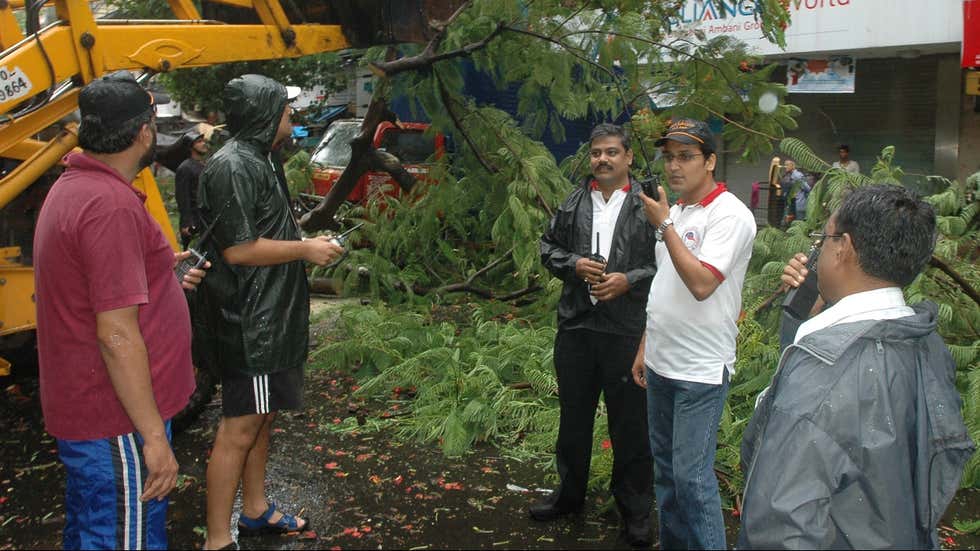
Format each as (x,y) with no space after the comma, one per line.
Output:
(829,25)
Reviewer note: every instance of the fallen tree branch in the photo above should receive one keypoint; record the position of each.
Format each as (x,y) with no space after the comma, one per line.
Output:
(769,300)
(447,101)
(428,57)
(364,157)
(965,286)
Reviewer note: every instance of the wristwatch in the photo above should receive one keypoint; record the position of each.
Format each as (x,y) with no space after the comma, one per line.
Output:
(662,228)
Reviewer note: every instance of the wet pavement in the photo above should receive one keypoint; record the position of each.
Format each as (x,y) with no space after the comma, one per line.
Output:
(359,489)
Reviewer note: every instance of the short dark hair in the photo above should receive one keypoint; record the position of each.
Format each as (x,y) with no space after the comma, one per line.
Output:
(845,147)
(893,231)
(707,149)
(96,137)
(608,129)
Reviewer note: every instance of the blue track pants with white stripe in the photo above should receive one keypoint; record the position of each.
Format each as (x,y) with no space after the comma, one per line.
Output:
(104,482)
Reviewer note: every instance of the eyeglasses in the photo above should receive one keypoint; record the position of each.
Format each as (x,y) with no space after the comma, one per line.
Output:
(681,157)
(819,237)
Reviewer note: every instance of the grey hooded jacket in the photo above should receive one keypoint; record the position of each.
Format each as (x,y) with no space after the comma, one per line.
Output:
(859,442)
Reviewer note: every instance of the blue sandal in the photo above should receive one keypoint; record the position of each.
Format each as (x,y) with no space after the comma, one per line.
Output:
(248,527)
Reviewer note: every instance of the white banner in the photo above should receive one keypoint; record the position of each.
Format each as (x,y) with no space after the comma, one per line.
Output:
(834,75)
(830,25)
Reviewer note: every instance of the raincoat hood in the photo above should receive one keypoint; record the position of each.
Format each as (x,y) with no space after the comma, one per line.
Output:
(917,326)
(253,106)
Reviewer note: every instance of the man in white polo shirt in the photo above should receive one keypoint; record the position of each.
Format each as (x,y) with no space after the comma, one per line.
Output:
(601,318)
(688,350)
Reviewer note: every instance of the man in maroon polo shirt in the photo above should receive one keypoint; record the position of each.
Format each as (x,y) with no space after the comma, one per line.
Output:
(114,335)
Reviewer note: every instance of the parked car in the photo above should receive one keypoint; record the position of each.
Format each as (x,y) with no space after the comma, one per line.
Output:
(405,140)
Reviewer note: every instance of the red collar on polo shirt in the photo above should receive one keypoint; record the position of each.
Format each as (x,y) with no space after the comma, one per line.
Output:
(594,186)
(719,189)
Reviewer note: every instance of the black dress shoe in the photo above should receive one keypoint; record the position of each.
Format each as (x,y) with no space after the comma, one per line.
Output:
(545,511)
(637,532)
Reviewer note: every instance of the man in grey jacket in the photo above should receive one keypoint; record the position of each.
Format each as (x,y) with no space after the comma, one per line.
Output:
(859,442)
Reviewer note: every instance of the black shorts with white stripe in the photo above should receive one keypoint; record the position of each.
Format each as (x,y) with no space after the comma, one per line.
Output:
(249,395)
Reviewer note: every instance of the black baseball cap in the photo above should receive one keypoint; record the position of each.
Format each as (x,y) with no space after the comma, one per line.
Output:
(117,98)
(688,131)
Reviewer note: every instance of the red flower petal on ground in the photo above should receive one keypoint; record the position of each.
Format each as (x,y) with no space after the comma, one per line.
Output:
(355,388)
(3,499)
(606,444)
(452,486)
(949,541)
(318,448)
(337,420)
(331,466)
(340,474)
(365,529)
(398,480)
(375,479)
(278,430)
(736,513)
(487,469)
(363,457)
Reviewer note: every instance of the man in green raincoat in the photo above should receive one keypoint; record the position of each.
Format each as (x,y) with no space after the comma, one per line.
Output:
(257,303)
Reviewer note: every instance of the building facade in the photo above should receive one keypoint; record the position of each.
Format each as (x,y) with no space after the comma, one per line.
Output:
(902,83)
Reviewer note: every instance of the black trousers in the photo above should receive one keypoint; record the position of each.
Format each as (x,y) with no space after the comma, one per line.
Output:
(588,362)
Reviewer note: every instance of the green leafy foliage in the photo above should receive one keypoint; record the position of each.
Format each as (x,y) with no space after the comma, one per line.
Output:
(487,380)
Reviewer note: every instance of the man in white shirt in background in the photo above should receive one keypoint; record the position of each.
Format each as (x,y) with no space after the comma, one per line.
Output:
(845,162)
(688,350)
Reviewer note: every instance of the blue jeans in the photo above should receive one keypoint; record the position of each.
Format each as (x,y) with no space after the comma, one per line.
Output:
(683,419)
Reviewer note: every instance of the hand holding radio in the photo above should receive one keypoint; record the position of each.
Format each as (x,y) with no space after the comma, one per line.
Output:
(335,250)
(592,267)
(189,268)
(651,187)
(794,272)
(800,275)
(322,250)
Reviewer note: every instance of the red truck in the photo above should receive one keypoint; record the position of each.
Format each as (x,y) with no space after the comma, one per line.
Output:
(405,140)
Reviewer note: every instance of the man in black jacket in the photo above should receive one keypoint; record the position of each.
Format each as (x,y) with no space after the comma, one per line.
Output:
(601,318)
(185,184)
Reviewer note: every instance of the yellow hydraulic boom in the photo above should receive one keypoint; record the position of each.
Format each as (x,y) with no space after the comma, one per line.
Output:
(43,69)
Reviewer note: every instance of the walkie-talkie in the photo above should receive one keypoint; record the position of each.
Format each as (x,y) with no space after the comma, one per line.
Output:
(596,256)
(649,187)
(341,240)
(197,259)
(800,300)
